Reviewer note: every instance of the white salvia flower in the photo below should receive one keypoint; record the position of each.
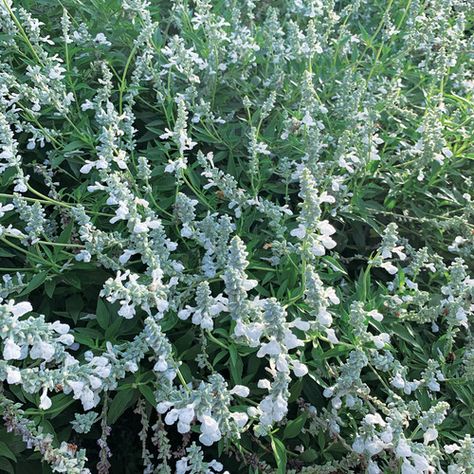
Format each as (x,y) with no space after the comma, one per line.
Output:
(408,468)
(42,350)
(163,407)
(373,468)
(358,445)
(240,419)
(299,369)
(374,446)
(87,105)
(45,401)
(56,72)
(83,256)
(161,364)
(5,208)
(374,419)
(85,169)
(390,267)
(403,450)
(451,448)
(398,381)
(217,466)
(126,310)
(240,390)
(271,348)
(264,384)
(19,309)
(376,315)
(127,254)
(13,375)
(66,339)
(331,335)
(300,324)
(326,228)
(11,350)
(430,435)
(100,38)
(60,328)
(299,232)
(381,340)
(210,432)
(77,387)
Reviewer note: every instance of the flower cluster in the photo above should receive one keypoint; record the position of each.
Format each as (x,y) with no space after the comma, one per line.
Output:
(244,227)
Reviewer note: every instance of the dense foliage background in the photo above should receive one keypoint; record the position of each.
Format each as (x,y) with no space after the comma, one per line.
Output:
(236,235)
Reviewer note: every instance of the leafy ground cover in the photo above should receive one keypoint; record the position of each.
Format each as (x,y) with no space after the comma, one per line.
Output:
(236,236)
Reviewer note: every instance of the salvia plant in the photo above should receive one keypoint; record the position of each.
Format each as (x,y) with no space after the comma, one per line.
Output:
(236,236)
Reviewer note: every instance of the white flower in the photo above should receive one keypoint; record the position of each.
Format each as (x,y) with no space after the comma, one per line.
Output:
(331,335)
(299,369)
(85,169)
(66,339)
(300,324)
(101,39)
(210,432)
(326,228)
(358,445)
(374,419)
(299,232)
(42,350)
(125,257)
(430,435)
(5,208)
(77,387)
(87,399)
(390,267)
(240,419)
(140,227)
(374,446)
(373,468)
(264,384)
(324,317)
(56,72)
(11,350)
(407,468)
(19,309)
(241,391)
(376,315)
(127,311)
(308,120)
(13,375)
(87,105)
(217,466)
(381,340)
(60,328)
(161,365)
(397,381)
(84,256)
(270,348)
(163,407)
(403,450)
(451,448)
(45,401)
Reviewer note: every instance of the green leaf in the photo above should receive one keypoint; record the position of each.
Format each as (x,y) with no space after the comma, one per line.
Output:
(119,404)
(6,452)
(34,283)
(147,392)
(309,455)
(49,287)
(279,453)
(293,427)
(6,466)
(102,314)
